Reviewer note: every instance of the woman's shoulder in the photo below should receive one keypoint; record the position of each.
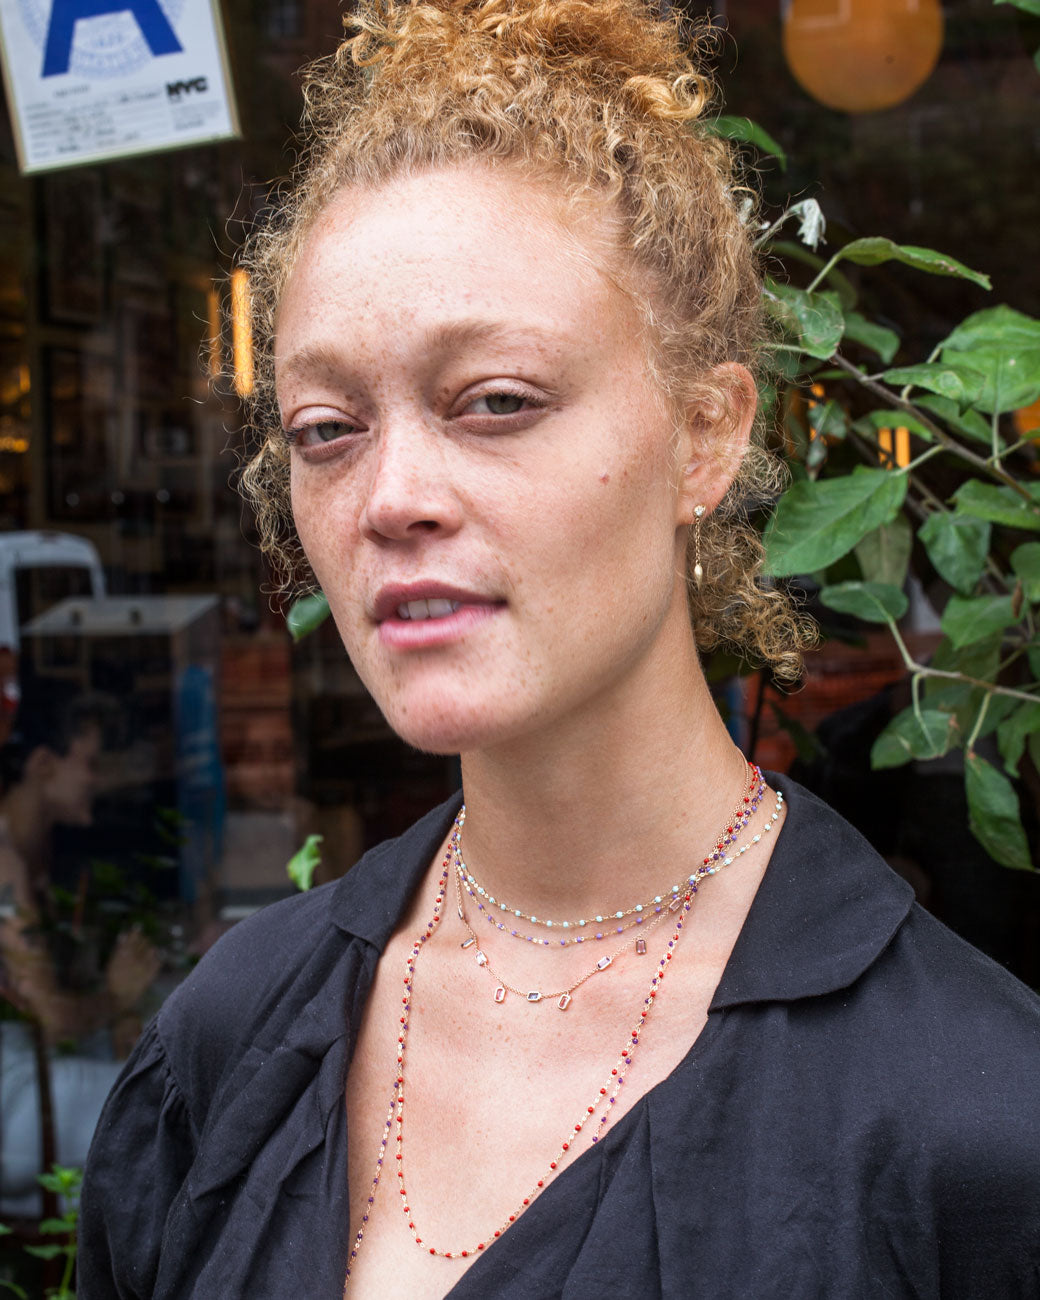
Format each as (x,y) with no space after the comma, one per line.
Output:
(298,966)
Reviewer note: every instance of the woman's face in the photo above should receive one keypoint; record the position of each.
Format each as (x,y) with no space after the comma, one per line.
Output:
(485,478)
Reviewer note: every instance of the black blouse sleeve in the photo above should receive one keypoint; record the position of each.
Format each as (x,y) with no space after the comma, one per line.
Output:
(139,1159)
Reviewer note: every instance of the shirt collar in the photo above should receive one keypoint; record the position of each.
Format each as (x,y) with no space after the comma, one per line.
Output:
(826,909)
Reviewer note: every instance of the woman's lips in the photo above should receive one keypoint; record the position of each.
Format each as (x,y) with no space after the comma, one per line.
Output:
(428,622)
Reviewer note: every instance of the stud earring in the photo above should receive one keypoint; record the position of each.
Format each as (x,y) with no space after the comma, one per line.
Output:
(698,572)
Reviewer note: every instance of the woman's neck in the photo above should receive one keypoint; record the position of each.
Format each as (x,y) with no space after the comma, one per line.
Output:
(615,805)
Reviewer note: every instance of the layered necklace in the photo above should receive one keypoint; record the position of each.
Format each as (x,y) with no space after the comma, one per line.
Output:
(675,902)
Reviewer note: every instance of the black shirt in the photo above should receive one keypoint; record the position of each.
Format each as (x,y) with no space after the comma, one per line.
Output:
(858,1118)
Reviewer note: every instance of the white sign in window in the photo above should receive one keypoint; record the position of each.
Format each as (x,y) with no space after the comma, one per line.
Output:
(91,80)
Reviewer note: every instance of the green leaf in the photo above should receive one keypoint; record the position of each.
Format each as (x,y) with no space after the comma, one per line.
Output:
(14,1287)
(884,342)
(46,1252)
(958,546)
(944,380)
(1027,6)
(907,737)
(304,862)
(829,419)
(1000,505)
(54,1227)
(66,1180)
(306,614)
(744,131)
(969,619)
(968,422)
(815,523)
(1014,731)
(997,351)
(791,251)
(876,249)
(993,814)
(814,319)
(894,419)
(980,661)
(877,602)
(884,554)
(1025,561)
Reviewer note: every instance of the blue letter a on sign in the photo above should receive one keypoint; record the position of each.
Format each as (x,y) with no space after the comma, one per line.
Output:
(155,28)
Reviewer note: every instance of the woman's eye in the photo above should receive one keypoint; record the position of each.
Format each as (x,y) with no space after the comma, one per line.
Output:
(310,435)
(499,404)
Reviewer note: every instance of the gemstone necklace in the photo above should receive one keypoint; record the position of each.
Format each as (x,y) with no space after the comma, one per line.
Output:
(605,1099)
(752,798)
(562,996)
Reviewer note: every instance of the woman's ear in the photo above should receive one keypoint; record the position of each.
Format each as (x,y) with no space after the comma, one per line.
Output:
(715,438)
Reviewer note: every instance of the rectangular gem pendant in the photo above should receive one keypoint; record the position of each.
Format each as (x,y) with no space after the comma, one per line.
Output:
(481,959)
(500,994)
(641,947)
(603,963)
(534,997)
(564,1002)
(467,943)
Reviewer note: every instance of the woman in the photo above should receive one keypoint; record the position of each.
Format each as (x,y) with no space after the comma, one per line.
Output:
(48,776)
(660,1027)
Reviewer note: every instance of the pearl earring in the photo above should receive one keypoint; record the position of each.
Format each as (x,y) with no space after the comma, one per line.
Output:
(698,572)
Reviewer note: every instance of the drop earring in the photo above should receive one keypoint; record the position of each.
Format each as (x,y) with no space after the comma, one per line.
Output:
(698,572)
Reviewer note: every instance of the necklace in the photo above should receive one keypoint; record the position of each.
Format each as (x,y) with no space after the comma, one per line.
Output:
(605,1099)
(746,809)
(563,996)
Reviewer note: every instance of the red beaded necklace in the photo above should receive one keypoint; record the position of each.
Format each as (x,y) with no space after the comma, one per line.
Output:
(605,1099)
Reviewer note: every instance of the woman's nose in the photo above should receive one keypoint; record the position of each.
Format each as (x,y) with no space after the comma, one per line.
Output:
(410,492)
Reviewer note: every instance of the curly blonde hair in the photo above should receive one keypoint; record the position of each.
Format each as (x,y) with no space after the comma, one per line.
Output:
(612,101)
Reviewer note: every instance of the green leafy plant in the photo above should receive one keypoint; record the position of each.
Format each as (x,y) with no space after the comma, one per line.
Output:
(65,1183)
(957,506)
(960,512)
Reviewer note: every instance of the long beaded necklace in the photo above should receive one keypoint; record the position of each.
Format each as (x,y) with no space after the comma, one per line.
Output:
(606,1097)
(754,792)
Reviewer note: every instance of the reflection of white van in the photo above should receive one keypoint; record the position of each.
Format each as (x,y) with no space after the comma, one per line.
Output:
(38,569)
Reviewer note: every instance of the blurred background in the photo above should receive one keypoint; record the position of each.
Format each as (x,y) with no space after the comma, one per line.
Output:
(129,577)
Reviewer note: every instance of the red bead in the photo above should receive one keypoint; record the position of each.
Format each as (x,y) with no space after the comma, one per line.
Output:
(553,1165)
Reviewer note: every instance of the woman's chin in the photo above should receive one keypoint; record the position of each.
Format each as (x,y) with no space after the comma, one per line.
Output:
(448,730)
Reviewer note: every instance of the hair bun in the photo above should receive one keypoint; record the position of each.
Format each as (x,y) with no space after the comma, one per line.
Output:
(614,48)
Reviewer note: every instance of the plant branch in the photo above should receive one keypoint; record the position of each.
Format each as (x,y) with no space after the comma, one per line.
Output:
(951,444)
(970,745)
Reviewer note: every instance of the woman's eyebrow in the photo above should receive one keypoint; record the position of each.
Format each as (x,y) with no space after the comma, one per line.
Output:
(307,360)
(445,339)
(455,336)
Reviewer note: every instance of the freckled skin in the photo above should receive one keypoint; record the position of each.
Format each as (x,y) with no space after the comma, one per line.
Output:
(573,518)
(593,758)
